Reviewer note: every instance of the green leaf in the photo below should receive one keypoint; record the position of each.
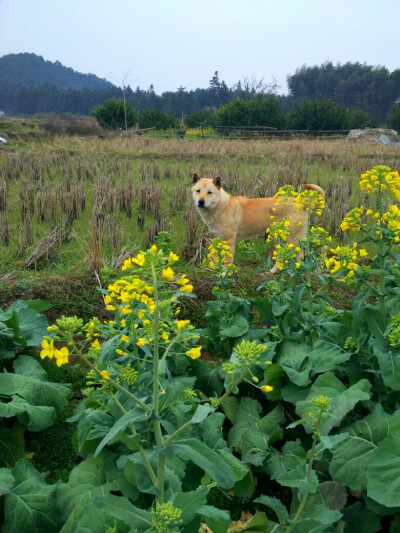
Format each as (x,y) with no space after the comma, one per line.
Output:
(257,524)
(376,323)
(132,416)
(294,359)
(388,361)
(297,478)
(34,418)
(190,503)
(209,511)
(359,519)
(274,504)
(247,416)
(31,326)
(273,376)
(204,457)
(31,505)
(122,509)
(27,366)
(323,514)
(34,390)
(326,356)
(352,456)
(209,378)
(202,411)
(6,481)
(383,477)
(12,444)
(343,400)
(86,480)
(238,327)
(230,407)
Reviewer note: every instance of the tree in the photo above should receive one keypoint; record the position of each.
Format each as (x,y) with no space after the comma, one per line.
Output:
(154,118)
(111,114)
(204,117)
(318,114)
(394,119)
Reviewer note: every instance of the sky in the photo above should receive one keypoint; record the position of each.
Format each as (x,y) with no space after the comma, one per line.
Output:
(173,43)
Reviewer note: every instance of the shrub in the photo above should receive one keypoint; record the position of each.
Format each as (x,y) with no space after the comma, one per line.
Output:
(318,114)
(155,118)
(111,114)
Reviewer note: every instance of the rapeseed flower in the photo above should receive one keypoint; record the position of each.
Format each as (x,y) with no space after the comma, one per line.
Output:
(194,353)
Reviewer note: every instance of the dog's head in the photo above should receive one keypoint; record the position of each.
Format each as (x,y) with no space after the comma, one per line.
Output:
(206,191)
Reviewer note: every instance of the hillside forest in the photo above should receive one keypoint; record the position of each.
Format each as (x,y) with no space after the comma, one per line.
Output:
(31,85)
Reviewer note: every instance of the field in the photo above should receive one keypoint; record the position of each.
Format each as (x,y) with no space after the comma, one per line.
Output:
(264,404)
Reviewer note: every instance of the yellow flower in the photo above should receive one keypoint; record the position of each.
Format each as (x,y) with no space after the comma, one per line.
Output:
(172,258)
(126,310)
(187,288)
(127,264)
(125,338)
(110,307)
(104,374)
(194,353)
(153,249)
(168,274)
(141,342)
(139,259)
(267,388)
(48,349)
(183,280)
(96,345)
(61,356)
(164,336)
(120,352)
(182,323)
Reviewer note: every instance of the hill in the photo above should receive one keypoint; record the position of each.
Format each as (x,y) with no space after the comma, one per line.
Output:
(31,70)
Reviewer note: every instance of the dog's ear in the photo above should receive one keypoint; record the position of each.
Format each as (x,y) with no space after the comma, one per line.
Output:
(218,182)
(195,178)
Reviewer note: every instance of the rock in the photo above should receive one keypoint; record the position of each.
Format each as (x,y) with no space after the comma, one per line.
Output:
(374,134)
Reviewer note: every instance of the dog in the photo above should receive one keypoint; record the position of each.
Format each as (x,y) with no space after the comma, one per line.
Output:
(233,218)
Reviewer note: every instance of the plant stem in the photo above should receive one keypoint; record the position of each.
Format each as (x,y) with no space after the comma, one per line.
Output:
(143,455)
(110,380)
(156,393)
(308,477)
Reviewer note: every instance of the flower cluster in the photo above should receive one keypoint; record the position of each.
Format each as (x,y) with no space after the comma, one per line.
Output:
(219,258)
(391,219)
(394,335)
(249,352)
(285,194)
(352,221)
(48,350)
(344,259)
(285,255)
(278,231)
(319,238)
(165,516)
(310,200)
(381,178)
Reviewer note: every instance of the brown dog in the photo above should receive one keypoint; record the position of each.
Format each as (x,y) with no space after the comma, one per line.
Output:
(237,217)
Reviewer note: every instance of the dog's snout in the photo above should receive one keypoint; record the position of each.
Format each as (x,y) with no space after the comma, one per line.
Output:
(201,203)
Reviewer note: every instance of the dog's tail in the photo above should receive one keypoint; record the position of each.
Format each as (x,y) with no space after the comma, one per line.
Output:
(316,188)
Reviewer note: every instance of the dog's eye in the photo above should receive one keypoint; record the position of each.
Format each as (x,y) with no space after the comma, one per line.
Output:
(209,192)
(198,190)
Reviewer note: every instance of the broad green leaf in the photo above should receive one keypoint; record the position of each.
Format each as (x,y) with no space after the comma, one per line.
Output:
(359,519)
(230,407)
(137,414)
(6,481)
(209,511)
(297,478)
(12,444)
(330,494)
(352,456)
(191,502)
(210,431)
(326,356)
(31,326)
(274,504)
(257,524)
(294,359)
(122,509)
(204,457)
(94,520)
(86,480)
(34,390)
(389,362)
(383,477)
(376,323)
(33,417)
(26,365)
(247,416)
(202,411)
(273,376)
(31,505)
(237,327)
(209,377)
(280,462)
(343,400)
(323,514)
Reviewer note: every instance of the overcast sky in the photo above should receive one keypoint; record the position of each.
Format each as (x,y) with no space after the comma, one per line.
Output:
(172,43)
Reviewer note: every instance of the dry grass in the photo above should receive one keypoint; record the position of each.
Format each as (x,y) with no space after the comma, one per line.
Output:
(119,193)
